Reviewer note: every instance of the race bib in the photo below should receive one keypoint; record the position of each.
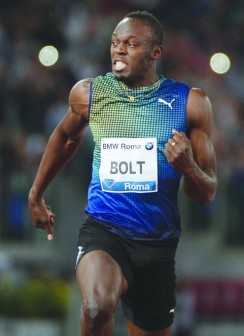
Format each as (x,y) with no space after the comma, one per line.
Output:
(129,165)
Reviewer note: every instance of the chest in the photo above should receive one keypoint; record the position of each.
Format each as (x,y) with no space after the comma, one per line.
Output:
(152,117)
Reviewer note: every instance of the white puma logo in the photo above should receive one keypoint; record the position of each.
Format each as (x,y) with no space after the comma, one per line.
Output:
(166,103)
(80,252)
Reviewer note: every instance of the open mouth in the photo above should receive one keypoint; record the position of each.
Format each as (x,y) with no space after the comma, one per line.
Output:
(119,65)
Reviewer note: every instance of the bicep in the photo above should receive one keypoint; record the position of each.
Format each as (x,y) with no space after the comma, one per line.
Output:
(200,128)
(76,118)
(72,126)
(203,151)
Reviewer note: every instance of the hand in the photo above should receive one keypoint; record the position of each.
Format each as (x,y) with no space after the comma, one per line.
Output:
(42,216)
(178,152)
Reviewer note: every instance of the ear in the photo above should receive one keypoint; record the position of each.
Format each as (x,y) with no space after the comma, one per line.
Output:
(157,52)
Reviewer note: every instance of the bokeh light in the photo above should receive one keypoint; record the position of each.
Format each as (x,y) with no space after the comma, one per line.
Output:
(48,55)
(220,63)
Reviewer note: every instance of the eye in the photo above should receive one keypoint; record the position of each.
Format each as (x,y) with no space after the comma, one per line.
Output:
(115,43)
(132,45)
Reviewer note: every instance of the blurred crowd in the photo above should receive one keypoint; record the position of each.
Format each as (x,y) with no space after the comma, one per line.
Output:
(33,98)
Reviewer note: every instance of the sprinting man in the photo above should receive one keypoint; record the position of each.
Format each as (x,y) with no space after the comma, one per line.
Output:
(149,132)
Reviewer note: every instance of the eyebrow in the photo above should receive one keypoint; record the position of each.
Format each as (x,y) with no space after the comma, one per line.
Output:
(131,37)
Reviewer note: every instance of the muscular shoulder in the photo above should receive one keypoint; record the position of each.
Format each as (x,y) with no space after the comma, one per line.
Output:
(199,110)
(80,96)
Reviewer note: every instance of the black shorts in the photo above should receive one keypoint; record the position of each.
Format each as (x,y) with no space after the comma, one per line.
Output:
(149,268)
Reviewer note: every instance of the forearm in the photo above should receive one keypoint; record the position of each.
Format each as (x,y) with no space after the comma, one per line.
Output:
(58,152)
(200,186)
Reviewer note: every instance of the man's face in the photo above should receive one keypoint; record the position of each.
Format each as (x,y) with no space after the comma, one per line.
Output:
(132,52)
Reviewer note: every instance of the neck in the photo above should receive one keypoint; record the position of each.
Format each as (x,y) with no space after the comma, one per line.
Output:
(140,83)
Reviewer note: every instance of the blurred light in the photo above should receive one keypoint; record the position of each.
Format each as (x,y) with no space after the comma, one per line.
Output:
(48,55)
(220,63)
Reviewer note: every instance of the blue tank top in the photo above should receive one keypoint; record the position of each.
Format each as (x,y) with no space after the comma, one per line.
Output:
(133,190)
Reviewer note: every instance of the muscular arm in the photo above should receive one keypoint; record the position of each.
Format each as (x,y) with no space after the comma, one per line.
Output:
(194,154)
(62,145)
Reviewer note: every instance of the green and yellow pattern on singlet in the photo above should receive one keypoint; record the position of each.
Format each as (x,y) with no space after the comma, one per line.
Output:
(157,110)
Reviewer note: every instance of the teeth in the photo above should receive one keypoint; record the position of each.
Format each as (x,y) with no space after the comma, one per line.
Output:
(119,65)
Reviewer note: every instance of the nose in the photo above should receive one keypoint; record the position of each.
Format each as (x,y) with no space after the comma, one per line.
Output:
(121,48)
